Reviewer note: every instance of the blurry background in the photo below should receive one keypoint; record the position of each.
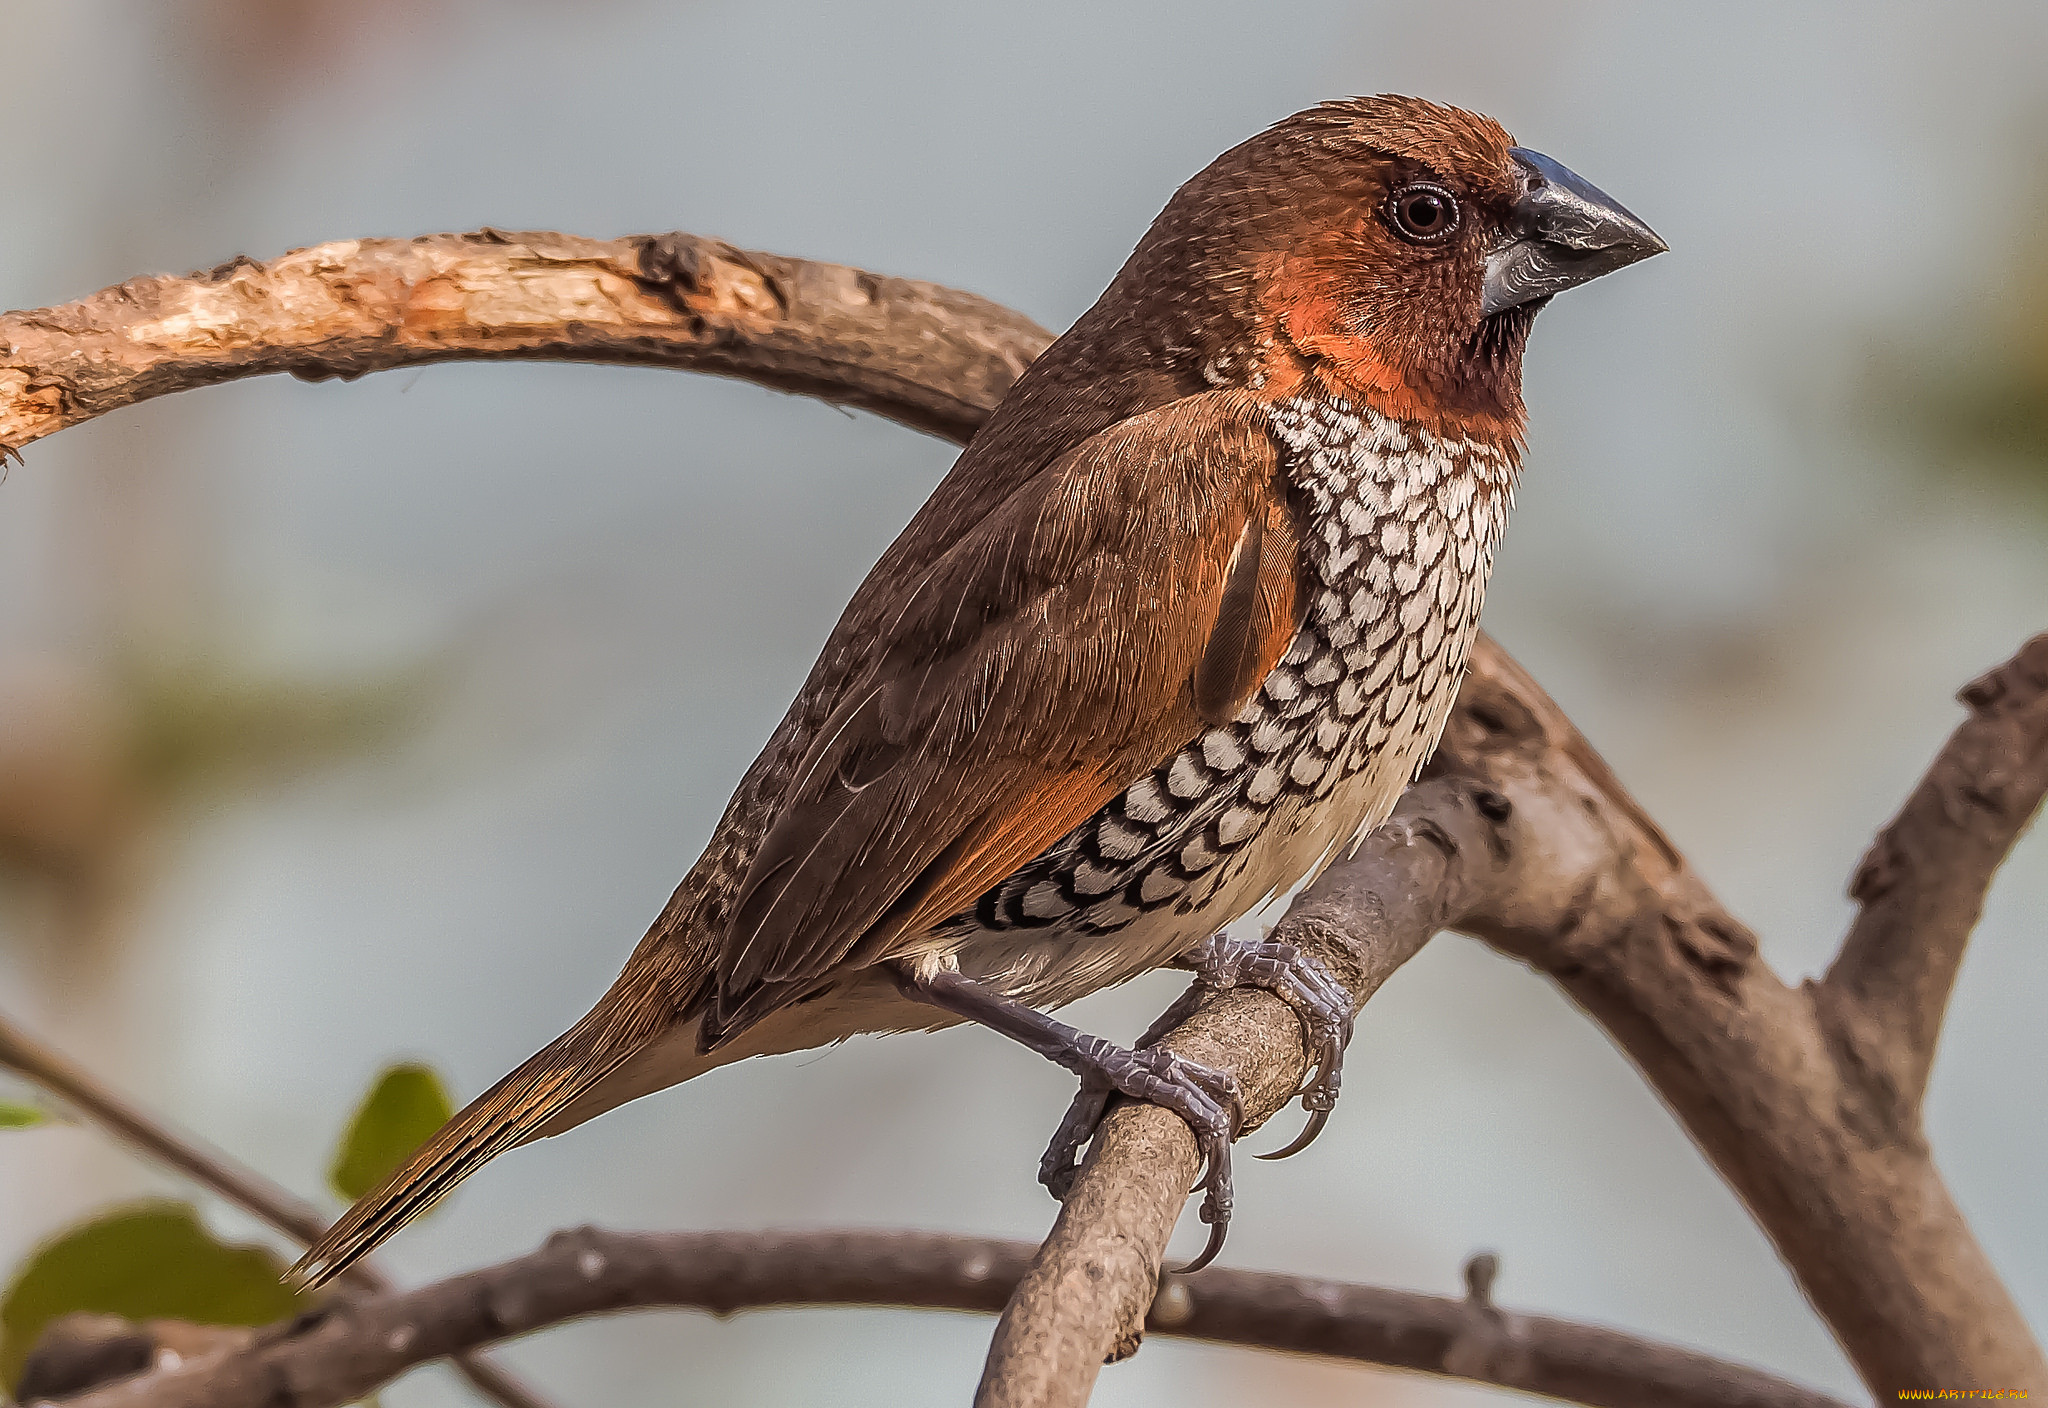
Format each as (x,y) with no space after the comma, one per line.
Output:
(342,723)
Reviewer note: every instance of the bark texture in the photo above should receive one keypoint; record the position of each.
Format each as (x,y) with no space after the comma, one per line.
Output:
(928,356)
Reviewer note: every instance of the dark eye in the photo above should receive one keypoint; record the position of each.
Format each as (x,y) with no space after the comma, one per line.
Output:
(1424,214)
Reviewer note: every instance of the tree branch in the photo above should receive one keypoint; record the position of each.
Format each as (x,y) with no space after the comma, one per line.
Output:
(1784,1093)
(1921,884)
(931,357)
(210,1169)
(350,1350)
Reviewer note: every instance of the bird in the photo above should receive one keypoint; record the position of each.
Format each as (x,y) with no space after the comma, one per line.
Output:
(1183,620)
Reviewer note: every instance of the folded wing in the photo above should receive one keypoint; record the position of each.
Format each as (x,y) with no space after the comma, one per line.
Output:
(1131,593)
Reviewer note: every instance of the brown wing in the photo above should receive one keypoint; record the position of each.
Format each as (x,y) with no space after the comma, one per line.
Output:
(1140,586)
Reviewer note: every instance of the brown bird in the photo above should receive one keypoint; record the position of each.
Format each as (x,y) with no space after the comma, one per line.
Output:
(1184,619)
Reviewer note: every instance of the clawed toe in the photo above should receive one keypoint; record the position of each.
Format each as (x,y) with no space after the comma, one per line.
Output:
(1206,1098)
(1219,1228)
(1303,983)
(1062,1159)
(1327,1040)
(1218,1196)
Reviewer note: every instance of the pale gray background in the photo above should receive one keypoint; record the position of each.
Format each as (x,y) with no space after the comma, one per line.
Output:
(1746,584)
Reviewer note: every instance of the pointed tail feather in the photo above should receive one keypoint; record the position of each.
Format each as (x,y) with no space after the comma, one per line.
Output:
(508,1114)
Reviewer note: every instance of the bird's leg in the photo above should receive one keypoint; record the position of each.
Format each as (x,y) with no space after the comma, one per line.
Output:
(1220,962)
(1206,1098)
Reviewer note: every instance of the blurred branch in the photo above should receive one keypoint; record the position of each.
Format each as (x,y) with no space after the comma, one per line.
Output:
(85,1350)
(245,1188)
(928,356)
(1521,836)
(342,1354)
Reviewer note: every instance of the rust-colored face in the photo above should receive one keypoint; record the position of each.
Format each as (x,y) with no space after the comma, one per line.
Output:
(1362,248)
(1379,293)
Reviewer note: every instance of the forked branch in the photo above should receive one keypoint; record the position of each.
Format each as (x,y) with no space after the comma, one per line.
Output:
(1520,834)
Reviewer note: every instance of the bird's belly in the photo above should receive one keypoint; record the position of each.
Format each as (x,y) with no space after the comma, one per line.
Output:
(1094,946)
(1235,818)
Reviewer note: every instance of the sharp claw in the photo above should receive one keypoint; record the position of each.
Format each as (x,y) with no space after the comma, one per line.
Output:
(1217,1231)
(1316,1120)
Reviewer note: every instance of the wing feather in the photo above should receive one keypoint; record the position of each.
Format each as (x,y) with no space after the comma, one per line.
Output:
(1136,589)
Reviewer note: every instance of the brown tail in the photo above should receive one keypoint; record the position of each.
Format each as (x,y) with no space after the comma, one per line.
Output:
(509,1113)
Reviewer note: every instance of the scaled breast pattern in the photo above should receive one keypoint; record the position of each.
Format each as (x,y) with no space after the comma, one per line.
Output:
(1401,529)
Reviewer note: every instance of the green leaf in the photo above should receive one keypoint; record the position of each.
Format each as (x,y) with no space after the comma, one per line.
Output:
(14,1115)
(150,1261)
(405,1106)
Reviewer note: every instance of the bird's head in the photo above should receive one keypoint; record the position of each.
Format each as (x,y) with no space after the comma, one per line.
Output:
(1387,249)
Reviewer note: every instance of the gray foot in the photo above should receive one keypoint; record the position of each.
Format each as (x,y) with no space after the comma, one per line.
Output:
(1221,962)
(1206,1098)
(1062,1158)
(1303,983)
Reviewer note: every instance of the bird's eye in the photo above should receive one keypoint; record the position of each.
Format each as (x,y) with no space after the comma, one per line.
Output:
(1424,214)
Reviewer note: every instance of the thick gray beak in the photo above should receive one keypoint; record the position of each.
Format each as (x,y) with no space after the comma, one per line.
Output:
(1562,231)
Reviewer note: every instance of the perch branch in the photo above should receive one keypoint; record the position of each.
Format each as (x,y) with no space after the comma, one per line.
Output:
(1844,1185)
(348,1351)
(210,1169)
(1084,1298)
(1783,1088)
